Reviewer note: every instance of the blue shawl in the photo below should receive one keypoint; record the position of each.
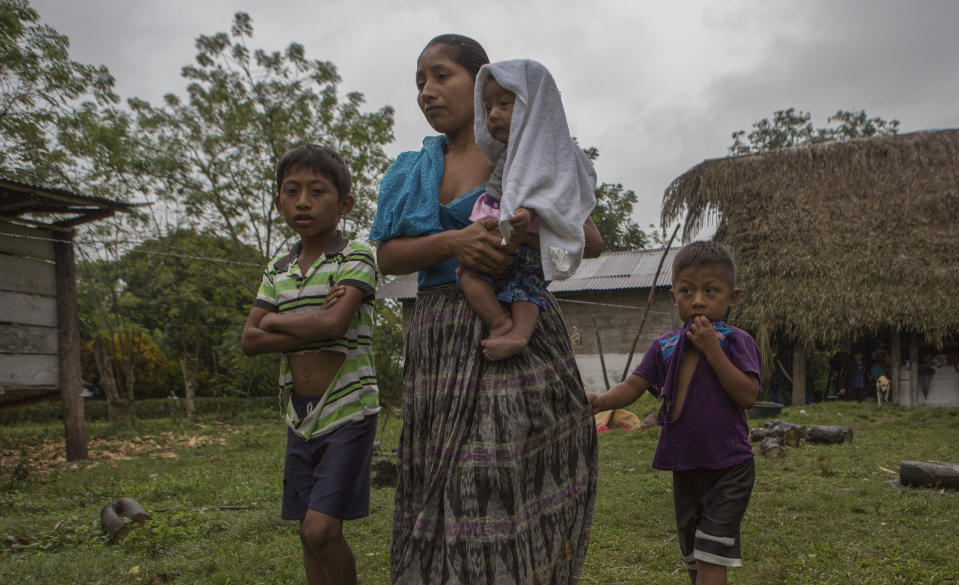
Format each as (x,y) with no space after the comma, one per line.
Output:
(408,203)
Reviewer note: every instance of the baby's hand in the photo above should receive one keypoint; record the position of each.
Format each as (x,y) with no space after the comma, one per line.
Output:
(702,334)
(521,220)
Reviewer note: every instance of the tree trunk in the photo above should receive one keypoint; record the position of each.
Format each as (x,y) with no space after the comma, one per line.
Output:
(923,473)
(188,364)
(799,375)
(119,410)
(68,348)
(828,434)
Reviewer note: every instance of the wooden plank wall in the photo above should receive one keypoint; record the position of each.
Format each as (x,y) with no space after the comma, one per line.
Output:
(28,317)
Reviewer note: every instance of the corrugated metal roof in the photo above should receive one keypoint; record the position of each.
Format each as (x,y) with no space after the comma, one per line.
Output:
(633,269)
(618,270)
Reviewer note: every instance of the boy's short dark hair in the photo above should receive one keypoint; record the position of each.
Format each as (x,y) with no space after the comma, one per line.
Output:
(702,253)
(320,160)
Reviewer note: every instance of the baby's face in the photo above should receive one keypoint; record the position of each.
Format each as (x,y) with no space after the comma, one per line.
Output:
(499,110)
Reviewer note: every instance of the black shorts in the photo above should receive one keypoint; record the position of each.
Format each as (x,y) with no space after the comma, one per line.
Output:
(710,504)
(329,473)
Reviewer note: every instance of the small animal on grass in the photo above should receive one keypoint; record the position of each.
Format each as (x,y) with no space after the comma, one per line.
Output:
(882,390)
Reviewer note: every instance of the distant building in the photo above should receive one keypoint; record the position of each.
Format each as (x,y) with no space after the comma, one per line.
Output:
(40,344)
(602,304)
(841,244)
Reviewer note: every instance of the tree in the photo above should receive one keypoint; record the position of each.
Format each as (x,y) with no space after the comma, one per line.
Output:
(792,128)
(179,286)
(39,88)
(214,154)
(613,215)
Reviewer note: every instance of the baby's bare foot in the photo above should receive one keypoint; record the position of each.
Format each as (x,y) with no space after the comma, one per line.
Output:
(503,347)
(500,327)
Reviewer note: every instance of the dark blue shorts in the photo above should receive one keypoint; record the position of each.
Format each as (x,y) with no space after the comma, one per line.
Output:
(710,504)
(329,473)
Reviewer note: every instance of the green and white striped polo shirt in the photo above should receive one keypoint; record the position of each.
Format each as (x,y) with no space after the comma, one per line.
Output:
(352,394)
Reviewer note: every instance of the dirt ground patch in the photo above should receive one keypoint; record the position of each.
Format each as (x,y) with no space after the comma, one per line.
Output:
(46,456)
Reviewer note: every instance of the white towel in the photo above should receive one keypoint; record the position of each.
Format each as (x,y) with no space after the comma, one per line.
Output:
(545,170)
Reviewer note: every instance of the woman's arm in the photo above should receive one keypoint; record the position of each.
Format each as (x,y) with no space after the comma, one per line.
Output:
(594,241)
(473,246)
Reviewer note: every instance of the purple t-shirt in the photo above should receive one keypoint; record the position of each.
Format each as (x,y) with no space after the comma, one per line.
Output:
(710,431)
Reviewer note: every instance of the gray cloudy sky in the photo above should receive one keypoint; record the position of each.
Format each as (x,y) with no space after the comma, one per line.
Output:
(656,86)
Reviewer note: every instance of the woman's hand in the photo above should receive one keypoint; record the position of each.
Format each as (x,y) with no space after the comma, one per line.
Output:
(477,246)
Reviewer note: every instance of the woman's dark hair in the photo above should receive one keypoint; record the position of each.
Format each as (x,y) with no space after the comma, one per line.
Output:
(463,51)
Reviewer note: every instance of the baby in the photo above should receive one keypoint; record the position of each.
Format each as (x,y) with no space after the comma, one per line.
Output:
(542,190)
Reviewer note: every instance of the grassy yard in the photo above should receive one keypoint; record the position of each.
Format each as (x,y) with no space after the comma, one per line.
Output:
(822,514)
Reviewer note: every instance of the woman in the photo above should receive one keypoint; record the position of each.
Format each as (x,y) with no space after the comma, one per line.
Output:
(497,460)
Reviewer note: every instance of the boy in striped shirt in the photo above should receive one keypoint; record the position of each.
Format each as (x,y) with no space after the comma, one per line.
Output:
(315,308)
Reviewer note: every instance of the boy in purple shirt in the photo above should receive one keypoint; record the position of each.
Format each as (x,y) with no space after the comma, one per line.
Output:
(707,374)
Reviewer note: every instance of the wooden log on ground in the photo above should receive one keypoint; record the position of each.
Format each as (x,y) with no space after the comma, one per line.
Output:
(828,434)
(771,447)
(112,523)
(789,433)
(925,473)
(791,437)
(131,509)
(782,426)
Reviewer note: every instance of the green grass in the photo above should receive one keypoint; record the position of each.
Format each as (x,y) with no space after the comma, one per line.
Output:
(822,514)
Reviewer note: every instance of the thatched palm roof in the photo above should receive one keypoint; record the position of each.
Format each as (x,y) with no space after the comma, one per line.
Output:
(837,238)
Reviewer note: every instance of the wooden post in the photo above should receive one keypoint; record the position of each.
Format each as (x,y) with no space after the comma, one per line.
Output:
(914,368)
(895,348)
(799,375)
(68,347)
(599,347)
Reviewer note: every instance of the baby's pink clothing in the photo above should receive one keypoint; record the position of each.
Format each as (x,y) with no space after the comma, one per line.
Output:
(487,207)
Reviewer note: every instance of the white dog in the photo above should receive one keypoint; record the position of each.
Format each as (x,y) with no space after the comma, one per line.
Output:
(883,385)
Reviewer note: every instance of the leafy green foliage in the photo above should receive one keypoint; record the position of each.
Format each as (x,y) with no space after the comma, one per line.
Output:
(613,215)
(791,128)
(195,305)
(135,356)
(215,152)
(39,87)
(388,350)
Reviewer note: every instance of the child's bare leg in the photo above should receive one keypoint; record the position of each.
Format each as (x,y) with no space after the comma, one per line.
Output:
(482,298)
(327,557)
(708,574)
(525,315)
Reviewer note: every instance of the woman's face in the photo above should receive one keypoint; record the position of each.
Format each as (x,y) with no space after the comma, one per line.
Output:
(444,90)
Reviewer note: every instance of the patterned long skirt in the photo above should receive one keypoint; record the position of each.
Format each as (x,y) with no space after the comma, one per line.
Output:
(497,460)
